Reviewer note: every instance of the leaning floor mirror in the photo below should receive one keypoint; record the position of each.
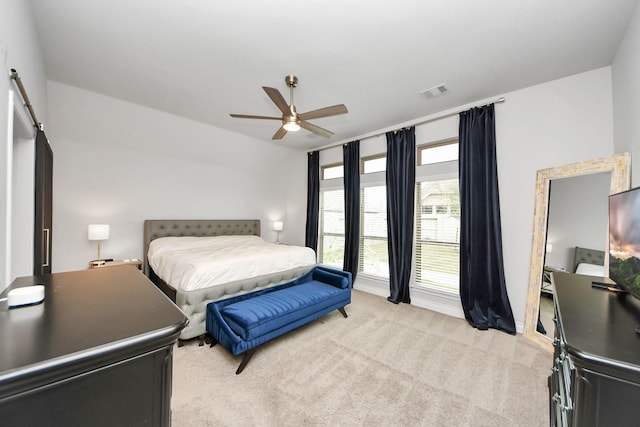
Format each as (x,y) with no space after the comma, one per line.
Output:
(582,181)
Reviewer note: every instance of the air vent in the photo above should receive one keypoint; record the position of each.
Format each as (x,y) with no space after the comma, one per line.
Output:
(435,91)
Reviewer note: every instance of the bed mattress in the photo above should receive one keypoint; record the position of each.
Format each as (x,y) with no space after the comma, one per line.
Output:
(191,263)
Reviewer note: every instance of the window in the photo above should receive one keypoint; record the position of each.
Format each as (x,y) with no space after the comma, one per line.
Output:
(331,228)
(437,236)
(332,171)
(437,153)
(374,164)
(374,257)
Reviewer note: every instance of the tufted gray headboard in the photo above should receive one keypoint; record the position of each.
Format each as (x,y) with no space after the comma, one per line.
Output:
(589,256)
(155,228)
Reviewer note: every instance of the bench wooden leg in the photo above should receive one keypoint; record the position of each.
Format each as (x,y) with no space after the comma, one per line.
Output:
(247,356)
(180,342)
(344,313)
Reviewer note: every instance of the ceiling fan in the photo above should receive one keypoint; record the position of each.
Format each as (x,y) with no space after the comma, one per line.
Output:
(292,120)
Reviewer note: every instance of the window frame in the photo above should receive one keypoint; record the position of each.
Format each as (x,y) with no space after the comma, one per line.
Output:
(365,159)
(441,170)
(364,185)
(430,145)
(437,171)
(321,233)
(329,166)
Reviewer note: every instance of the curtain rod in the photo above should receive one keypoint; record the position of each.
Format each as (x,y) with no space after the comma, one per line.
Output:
(432,119)
(25,98)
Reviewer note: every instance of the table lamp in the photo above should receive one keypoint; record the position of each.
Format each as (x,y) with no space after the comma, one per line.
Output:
(277,227)
(98,232)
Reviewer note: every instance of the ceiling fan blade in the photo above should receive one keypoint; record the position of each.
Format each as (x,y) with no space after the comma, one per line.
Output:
(334,110)
(277,99)
(315,129)
(280,133)
(247,116)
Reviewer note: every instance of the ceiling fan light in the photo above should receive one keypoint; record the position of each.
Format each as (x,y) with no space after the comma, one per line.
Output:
(291,126)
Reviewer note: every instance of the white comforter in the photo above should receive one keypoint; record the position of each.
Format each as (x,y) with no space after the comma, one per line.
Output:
(189,263)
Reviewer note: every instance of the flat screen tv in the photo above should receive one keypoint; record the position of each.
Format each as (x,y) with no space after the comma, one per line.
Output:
(624,240)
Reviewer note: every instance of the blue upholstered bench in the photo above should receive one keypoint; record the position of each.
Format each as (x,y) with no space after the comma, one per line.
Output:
(243,322)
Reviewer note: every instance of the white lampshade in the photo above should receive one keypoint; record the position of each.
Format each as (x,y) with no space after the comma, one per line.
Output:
(98,231)
(277,225)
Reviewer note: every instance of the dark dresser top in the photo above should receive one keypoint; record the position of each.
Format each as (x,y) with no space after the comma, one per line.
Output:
(87,318)
(598,325)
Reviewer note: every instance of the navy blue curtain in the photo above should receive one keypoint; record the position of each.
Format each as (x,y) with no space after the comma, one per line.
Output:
(313,200)
(351,162)
(401,182)
(540,327)
(482,283)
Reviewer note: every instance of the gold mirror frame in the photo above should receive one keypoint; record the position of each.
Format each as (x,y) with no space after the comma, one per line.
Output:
(620,167)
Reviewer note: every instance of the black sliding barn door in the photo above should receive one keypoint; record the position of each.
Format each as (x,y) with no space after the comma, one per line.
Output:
(42,235)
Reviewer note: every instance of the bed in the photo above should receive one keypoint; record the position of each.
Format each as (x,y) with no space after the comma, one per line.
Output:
(589,262)
(193,300)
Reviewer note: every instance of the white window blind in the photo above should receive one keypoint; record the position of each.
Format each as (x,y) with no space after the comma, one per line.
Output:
(331,228)
(437,250)
(374,257)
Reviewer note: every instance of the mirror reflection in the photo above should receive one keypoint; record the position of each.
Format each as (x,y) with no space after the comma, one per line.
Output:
(568,230)
(577,238)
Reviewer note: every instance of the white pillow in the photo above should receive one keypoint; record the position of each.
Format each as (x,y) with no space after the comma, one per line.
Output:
(590,269)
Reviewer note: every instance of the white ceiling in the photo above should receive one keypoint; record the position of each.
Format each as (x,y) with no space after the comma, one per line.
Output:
(204,59)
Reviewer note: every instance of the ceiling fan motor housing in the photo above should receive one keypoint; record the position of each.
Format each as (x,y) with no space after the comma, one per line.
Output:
(291,80)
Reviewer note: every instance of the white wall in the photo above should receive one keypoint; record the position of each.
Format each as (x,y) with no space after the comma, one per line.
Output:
(22,201)
(295,192)
(19,49)
(556,123)
(120,163)
(626,96)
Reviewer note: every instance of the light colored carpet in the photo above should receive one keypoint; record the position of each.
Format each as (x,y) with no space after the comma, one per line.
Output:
(385,365)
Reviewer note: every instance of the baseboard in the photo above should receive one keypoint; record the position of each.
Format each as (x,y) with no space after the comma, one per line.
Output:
(440,302)
(519,327)
(371,288)
(444,307)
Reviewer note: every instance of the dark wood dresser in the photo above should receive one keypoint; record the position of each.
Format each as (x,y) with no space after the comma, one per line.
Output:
(97,351)
(595,379)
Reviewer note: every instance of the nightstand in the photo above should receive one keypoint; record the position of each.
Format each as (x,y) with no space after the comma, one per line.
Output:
(115,263)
